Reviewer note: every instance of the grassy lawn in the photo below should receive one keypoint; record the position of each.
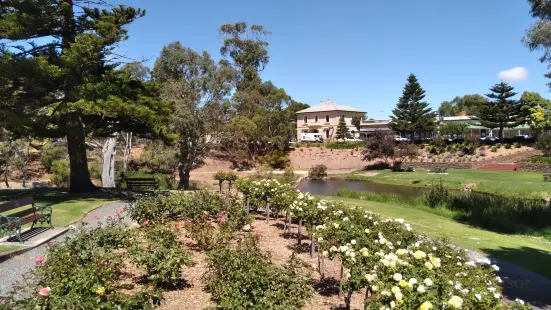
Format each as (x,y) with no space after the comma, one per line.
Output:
(67,208)
(5,248)
(532,253)
(498,182)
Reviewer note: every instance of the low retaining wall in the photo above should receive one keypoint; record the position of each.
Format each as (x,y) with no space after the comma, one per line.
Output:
(534,167)
(444,165)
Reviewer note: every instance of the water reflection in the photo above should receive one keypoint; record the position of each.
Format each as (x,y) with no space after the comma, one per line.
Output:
(330,187)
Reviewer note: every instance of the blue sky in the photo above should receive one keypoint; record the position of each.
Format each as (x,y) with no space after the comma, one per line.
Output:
(359,53)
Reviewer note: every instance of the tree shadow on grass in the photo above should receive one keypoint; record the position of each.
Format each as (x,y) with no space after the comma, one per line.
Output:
(520,282)
(50,196)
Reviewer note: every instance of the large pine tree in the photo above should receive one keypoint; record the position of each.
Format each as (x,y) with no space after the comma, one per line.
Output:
(412,114)
(502,111)
(58,76)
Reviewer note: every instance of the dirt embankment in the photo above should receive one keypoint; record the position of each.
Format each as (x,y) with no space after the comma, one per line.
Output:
(307,157)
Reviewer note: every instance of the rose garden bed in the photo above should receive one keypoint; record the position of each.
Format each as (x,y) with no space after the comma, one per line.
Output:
(204,250)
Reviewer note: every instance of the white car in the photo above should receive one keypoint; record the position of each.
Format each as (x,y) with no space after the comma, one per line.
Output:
(400,138)
(352,140)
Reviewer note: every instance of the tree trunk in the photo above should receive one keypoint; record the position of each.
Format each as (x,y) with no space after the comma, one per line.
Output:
(127,150)
(184,178)
(500,133)
(80,176)
(6,172)
(220,186)
(299,230)
(109,153)
(267,211)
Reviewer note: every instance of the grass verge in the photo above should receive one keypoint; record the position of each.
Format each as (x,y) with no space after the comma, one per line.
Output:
(507,183)
(529,252)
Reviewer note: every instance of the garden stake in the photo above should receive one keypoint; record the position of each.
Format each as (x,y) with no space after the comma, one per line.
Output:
(299,231)
(267,212)
(348,299)
(340,282)
(312,244)
(289,224)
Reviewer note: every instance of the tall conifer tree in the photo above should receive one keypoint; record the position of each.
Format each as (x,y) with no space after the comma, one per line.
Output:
(412,114)
(502,111)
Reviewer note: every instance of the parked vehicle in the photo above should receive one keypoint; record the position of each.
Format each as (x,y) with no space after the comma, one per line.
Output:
(352,140)
(400,138)
(522,137)
(311,137)
(490,139)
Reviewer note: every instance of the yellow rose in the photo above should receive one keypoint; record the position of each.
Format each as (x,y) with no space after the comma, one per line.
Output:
(101,291)
(426,306)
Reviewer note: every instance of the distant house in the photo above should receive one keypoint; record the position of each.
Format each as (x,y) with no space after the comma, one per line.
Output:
(477,129)
(325,118)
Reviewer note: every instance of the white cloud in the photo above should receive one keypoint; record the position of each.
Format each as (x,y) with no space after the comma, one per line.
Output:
(513,75)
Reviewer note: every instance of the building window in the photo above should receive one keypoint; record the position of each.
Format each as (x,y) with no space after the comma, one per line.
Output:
(306,120)
(316,119)
(327,118)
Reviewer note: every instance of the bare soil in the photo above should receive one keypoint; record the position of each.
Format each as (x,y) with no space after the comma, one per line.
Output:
(280,245)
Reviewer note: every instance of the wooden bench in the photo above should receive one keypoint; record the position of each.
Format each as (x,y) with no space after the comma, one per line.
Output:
(11,224)
(141,182)
(547,177)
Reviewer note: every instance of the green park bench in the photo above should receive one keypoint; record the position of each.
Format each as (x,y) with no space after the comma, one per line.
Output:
(141,182)
(10,224)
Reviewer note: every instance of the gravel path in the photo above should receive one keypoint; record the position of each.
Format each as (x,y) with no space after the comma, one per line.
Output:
(12,270)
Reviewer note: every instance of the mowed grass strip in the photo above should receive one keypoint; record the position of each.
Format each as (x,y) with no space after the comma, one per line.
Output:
(525,184)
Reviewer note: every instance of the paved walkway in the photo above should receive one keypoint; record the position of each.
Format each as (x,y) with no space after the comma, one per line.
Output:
(12,270)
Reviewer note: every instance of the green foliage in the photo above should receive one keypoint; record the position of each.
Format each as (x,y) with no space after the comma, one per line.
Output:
(346,145)
(537,35)
(77,61)
(468,103)
(60,173)
(342,130)
(412,114)
(49,153)
(502,112)
(241,277)
(275,159)
(95,170)
(544,144)
(157,251)
(538,110)
(517,145)
(158,158)
(166,182)
(289,175)
(540,159)
(437,195)
(159,208)
(453,129)
(83,271)
(318,172)
(498,145)
(507,146)
(357,121)
(494,149)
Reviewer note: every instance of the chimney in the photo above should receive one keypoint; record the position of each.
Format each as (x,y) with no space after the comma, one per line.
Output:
(462,113)
(322,102)
(329,102)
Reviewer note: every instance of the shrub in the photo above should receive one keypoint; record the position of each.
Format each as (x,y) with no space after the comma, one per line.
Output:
(289,174)
(482,154)
(517,145)
(498,145)
(318,172)
(95,170)
(275,159)
(157,158)
(494,148)
(346,145)
(60,173)
(262,172)
(540,160)
(84,272)
(460,153)
(437,194)
(159,208)
(157,251)
(507,146)
(438,170)
(49,154)
(544,144)
(482,148)
(448,156)
(242,275)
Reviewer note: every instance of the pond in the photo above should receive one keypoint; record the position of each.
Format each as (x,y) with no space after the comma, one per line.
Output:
(330,187)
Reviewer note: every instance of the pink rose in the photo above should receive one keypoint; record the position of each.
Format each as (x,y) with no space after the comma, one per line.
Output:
(146,222)
(45,291)
(221,218)
(121,211)
(177,227)
(40,259)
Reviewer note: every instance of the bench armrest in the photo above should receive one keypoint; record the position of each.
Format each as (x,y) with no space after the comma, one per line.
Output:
(9,219)
(45,208)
